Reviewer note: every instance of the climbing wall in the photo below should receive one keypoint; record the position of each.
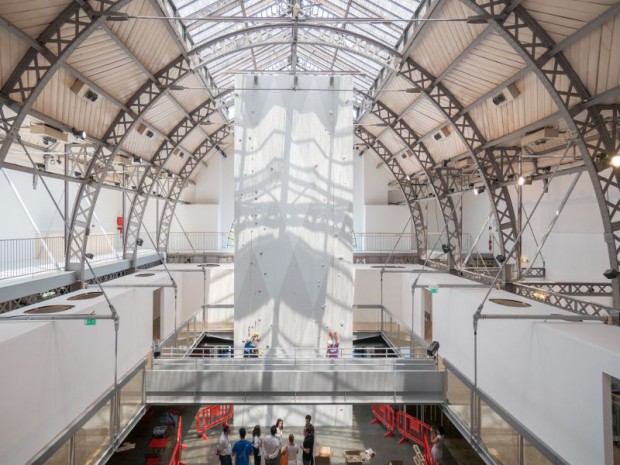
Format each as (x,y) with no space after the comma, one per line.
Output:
(293,210)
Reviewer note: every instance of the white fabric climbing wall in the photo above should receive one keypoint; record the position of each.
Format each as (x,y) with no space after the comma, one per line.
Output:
(293,209)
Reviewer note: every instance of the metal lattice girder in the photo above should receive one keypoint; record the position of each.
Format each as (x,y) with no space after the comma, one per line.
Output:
(165,151)
(410,190)
(269,34)
(564,302)
(101,163)
(176,188)
(484,160)
(567,90)
(37,67)
(437,181)
(580,289)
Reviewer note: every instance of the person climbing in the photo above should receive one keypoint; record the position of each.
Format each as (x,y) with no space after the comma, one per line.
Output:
(333,343)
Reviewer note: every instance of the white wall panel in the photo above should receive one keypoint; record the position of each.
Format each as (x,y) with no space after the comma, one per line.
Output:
(294,202)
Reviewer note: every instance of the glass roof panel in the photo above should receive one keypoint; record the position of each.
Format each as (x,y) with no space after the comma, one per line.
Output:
(316,50)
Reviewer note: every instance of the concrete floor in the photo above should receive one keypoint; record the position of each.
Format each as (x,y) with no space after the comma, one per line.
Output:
(362,435)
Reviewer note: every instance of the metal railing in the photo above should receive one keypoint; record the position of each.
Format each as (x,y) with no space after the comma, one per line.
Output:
(199,242)
(28,256)
(225,358)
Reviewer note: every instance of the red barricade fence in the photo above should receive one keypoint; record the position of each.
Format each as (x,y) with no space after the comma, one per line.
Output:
(385,415)
(409,427)
(416,431)
(208,417)
(178,447)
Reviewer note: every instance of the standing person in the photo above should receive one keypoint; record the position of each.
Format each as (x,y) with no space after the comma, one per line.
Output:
(257,442)
(308,422)
(242,449)
(307,457)
(280,427)
(437,441)
(292,450)
(271,447)
(333,343)
(223,447)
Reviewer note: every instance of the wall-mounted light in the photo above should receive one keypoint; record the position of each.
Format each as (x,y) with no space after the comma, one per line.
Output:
(521,180)
(611,273)
(445,248)
(139,241)
(90,256)
(432,349)
(500,258)
(78,133)
(479,190)
(614,161)
(77,174)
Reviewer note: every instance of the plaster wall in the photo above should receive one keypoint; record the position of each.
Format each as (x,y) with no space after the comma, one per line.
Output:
(550,376)
(58,369)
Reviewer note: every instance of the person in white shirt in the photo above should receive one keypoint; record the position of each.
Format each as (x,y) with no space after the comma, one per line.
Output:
(224,449)
(271,446)
(292,450)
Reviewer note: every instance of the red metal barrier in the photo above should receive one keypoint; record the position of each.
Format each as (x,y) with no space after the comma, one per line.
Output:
(385,415)
(208,417)
(178,447)
(416,431)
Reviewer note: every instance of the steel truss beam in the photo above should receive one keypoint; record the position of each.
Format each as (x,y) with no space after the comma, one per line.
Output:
(574,289)
(59,40)
(411,190)
(266,34)
(179,184)
(165,152)
(536,47)
(436,176)
(490,171)
(102,160)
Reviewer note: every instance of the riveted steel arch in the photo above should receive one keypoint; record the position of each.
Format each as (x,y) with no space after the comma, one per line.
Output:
(102,160)
(532,42)
(63,35)
(436,179)
(252,37)
(165,151)
(179,183)
(412,192)
(484,160)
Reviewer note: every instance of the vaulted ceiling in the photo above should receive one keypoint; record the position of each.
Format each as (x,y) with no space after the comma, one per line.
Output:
(445,92)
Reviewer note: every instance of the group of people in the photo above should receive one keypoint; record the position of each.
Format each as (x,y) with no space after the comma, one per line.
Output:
(250,348)
(272,447)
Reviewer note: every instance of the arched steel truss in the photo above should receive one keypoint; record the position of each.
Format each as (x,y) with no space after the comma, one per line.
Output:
(61,38)
(488,169)
(177,187)
(534,45)
(412,194)
(165,152)
(262,35)
(437,181)
(554,71)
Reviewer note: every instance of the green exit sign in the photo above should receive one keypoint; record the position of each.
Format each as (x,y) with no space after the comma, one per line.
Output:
(90,322)
(434,289)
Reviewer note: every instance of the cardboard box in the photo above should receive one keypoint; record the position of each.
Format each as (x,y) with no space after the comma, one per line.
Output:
(353,457)
(323,456)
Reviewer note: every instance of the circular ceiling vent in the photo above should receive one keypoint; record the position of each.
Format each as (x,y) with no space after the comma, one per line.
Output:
(510,302)
(144,275)
(50,309)
(86,296)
